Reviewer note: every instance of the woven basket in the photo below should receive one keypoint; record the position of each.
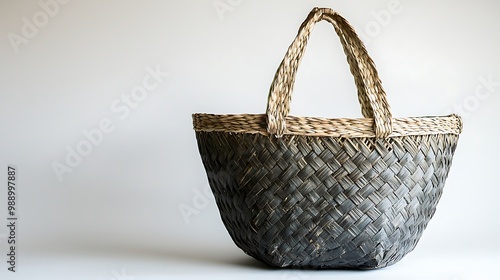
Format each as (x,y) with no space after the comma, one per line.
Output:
(327,193)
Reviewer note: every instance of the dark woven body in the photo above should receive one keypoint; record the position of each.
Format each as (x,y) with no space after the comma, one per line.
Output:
(326,202)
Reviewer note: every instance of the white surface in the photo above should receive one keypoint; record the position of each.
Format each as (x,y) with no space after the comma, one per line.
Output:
(119,207)
(223,262)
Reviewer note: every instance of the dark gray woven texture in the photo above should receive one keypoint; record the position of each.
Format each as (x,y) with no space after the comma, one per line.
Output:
(326,202)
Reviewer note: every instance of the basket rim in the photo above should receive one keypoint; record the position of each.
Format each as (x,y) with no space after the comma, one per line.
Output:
(333,127)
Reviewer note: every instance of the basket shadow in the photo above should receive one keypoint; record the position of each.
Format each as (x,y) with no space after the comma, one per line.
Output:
(233,258)
(194,254)
(223,257)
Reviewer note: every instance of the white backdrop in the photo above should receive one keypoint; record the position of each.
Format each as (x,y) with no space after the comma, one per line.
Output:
(128,75)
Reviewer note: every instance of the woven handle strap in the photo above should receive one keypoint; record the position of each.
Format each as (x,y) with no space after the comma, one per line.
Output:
(371,95)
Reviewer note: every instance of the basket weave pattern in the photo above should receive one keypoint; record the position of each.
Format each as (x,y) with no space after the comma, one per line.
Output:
(326,201)
(327,193)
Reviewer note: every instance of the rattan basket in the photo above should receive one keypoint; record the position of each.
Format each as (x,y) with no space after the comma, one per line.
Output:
(327,193)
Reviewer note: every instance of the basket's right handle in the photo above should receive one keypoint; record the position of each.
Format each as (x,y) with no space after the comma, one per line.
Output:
(371,94)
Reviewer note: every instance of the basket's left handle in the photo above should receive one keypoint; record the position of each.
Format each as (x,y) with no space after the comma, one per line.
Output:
(371,94)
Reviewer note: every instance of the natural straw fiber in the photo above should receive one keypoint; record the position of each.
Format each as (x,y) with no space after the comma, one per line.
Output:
(327,193)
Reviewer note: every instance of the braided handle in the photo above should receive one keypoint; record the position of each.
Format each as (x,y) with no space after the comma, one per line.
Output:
(371,95)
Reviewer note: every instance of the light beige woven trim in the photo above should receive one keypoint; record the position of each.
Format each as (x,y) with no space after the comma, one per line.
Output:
(312,126)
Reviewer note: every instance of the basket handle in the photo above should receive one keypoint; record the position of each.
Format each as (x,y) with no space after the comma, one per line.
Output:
(371,94)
